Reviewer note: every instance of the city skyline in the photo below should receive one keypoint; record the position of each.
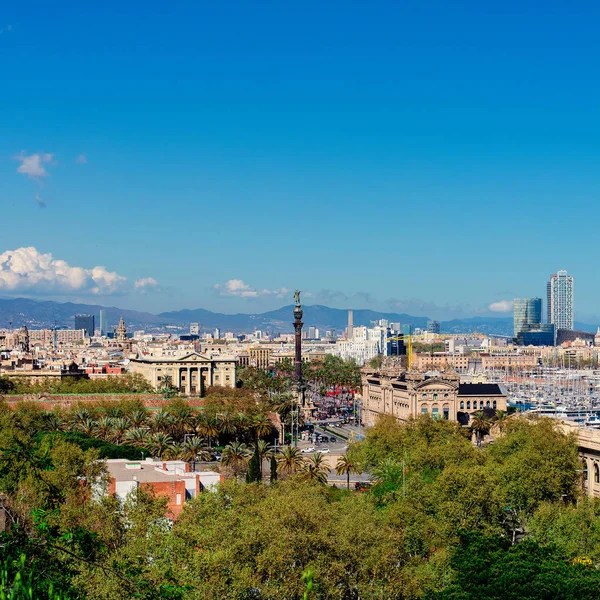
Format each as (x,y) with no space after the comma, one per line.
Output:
(189,158)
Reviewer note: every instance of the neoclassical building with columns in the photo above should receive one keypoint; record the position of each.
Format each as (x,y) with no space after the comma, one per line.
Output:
(190,374)
(405,394)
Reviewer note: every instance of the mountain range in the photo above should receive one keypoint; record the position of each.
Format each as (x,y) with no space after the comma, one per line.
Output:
(45,314)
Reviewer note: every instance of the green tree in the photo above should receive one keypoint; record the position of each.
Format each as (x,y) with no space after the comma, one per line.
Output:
(344,466)
(254,472)
(235,456)
(316,469)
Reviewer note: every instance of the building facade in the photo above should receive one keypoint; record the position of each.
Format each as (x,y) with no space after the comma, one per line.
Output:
(87,323)
(527,313)
(190,374)
(560,291)
(407,394)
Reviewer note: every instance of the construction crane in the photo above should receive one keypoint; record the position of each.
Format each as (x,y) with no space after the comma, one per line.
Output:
(407,339)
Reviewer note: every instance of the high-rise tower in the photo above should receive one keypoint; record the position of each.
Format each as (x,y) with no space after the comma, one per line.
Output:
(560,301)
(350,330)
(527,313)
(103,324)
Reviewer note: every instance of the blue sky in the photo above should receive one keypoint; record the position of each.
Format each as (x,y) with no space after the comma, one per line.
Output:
(420,157)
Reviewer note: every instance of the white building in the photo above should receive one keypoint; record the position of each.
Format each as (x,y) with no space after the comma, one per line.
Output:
(560,301)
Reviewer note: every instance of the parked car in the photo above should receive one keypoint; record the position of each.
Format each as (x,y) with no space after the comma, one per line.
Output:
(324,438)
(307,450)
(333,439)
(324,450)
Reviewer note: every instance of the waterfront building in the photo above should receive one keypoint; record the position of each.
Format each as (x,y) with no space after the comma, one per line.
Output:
(407,394)
(527,313)
(560,297)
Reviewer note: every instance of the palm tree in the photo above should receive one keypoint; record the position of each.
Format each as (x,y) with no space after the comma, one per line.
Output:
(104,428)
(479,425)
(315,469)
(262,425)
(162,421)
(51,422)
(227,424)
(345,465)
(138,418)
(88,426)
(264,452)
(119,427)
(206,426)
(194,449)
(236,455)
(137,436)
(242,423)
(290,460)
(158,443)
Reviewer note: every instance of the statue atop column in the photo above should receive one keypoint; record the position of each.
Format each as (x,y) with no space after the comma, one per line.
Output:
(297,297)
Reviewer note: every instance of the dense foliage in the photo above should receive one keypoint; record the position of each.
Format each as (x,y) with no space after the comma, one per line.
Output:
(445,519)
(129,383)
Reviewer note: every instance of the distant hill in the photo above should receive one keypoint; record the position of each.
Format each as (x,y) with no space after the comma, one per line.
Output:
(39,314)
(281,319)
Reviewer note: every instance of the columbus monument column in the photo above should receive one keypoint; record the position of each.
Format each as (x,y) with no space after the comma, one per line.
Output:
(298,329)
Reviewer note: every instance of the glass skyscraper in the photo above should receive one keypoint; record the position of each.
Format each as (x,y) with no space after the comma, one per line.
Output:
(527,314)
(560,301)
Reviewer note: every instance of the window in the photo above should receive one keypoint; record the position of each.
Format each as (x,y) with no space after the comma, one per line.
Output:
(481,404)
(424,396)
(494,404)
(435,396)
(462,404)
(178,499)
(424,410)
(227,378)
(596,473)
(468,405)
(446,395)
(487,404)
(446,414)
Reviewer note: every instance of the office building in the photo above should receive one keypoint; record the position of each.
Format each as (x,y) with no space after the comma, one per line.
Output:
(527,313)
(194,328)
(103,323)
(560,301)
(350,330)
(217,334)
(528,327)
(312,333)
(542,334)
(433,326)
(85,322)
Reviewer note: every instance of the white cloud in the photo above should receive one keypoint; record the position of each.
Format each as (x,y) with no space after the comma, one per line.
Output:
(502,306)
(40,201)
(145,283)
(27,270)
(81,159)
(236,287)
(33,165)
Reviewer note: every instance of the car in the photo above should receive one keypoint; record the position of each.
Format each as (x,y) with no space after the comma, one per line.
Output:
(324,438)
(307,450)
(324,450)
(333,439)
(216,456)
